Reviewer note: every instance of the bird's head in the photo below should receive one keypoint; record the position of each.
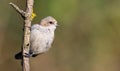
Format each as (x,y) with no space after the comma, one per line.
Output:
(48,21)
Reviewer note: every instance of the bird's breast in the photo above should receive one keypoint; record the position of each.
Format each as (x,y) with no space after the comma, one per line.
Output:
(41,40)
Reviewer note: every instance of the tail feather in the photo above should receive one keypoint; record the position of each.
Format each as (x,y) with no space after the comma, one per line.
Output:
(18,56)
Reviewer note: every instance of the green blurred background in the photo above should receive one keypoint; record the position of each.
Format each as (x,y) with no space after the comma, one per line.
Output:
(88,38)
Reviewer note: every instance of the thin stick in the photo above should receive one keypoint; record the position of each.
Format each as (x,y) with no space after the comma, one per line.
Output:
(17,9)
(26,42)
(26,36)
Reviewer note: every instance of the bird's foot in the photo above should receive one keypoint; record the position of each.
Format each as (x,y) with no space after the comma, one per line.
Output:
(27,55)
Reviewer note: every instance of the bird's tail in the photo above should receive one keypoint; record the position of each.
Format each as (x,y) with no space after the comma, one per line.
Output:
(18,56)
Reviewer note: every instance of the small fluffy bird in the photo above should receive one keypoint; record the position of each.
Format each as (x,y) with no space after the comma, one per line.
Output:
(41,37)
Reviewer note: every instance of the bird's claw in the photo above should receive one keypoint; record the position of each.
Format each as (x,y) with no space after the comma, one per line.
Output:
(27,55)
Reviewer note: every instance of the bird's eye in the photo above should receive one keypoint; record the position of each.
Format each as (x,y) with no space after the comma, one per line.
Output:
(51,22)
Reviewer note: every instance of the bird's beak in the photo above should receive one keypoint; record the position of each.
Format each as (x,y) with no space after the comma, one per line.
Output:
(57,25)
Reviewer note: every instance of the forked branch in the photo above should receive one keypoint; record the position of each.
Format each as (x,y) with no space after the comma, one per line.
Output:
(26,37)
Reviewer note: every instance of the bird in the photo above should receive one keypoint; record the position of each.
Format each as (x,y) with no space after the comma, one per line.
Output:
(41,37)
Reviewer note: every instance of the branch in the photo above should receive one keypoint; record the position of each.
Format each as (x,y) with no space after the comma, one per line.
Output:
(26,37)
(17,9)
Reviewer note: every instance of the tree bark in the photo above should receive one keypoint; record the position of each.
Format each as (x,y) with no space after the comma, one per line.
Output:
(26,36)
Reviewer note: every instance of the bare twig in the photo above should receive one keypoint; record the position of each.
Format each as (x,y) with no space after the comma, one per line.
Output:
(17,9)
(26,42)
(26,37)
